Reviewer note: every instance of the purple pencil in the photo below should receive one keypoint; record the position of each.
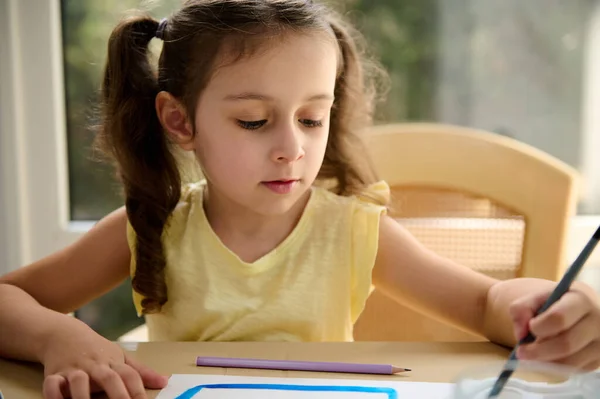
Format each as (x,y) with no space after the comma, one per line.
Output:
(330,367)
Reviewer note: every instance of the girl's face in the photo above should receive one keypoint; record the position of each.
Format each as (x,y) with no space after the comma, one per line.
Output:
(262,124)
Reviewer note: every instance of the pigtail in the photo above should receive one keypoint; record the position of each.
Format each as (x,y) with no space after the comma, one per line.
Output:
(130,132)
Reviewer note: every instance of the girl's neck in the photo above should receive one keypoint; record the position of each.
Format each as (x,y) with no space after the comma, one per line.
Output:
(249,234)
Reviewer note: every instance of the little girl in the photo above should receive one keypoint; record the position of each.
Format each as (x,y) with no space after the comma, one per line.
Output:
(287,233)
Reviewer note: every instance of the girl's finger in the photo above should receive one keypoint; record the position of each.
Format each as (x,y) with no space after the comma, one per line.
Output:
(53,387)
(150,378)
(561,316)
(79,384)
(585,358)
(523,310)
(563,345)
(132,380)
(110,382)
(592,366)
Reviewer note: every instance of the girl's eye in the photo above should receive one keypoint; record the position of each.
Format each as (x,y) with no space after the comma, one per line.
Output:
(311,123)
(251,125)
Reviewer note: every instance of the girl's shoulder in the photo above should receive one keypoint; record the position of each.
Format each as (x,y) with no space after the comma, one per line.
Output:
(189,205)
(373,197)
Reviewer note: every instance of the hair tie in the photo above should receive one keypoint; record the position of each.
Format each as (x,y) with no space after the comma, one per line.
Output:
(160,31)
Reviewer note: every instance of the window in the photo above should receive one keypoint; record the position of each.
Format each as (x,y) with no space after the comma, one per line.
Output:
(502,66)
(528,70)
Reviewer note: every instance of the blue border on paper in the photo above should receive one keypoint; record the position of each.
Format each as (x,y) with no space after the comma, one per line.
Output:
(391,393)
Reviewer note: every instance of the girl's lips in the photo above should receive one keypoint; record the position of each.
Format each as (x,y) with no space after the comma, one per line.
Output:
(280,186)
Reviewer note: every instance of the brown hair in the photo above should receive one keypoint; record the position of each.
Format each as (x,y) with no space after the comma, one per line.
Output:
(131,134)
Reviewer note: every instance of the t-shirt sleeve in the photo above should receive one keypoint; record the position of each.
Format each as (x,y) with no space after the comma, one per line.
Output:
(365,238)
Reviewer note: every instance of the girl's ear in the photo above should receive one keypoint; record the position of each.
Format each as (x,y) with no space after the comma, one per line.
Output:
(173,118)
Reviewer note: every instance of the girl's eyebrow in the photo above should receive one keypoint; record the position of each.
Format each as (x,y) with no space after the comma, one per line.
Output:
(262,97)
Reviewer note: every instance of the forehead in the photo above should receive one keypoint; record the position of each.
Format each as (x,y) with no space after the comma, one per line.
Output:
(282,66)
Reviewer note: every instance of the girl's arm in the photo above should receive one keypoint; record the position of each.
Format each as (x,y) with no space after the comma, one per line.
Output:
(411,274)
(499,310)
(35,298)
(34,326)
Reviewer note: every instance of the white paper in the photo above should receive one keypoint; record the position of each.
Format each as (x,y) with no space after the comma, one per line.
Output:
(316,388)
(296,388)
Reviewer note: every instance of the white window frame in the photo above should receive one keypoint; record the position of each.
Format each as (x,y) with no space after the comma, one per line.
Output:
(33,153)
(33,166)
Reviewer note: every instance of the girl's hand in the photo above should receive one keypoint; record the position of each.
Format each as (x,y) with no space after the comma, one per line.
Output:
(82,362)
(568,332)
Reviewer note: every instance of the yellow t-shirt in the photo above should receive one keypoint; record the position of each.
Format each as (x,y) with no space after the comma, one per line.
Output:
(311,287)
